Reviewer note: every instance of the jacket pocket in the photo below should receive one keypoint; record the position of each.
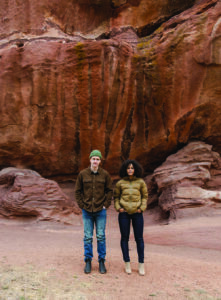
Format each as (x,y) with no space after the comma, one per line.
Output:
(100,183)
(87,183)
(100,187)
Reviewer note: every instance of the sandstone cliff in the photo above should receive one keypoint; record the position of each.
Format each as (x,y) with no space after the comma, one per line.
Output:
(133,78)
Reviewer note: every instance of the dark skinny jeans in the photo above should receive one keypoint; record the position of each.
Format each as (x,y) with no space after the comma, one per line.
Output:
(138,223)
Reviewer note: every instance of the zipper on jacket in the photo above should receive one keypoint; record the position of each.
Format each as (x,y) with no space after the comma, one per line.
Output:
(130,193)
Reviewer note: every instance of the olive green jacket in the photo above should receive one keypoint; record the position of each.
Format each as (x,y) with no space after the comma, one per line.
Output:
(93,191)
(131,195)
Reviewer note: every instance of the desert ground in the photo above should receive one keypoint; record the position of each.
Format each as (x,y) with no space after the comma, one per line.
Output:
(44,260)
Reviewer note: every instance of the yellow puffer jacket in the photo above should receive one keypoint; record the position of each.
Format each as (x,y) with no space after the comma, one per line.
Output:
(130,194)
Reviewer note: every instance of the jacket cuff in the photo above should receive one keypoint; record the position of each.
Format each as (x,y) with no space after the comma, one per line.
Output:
(117,206)
(107,204)
(81,205)
(142,208)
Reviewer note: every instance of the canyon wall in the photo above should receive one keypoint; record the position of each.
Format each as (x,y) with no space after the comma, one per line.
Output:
(135,79)
(87,17)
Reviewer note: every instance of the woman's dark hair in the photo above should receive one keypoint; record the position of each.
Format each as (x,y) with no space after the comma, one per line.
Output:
(138,170)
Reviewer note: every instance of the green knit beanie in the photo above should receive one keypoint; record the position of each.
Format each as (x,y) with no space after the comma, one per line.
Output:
(96,153)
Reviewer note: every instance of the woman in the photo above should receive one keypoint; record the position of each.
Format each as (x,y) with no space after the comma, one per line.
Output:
(130,200)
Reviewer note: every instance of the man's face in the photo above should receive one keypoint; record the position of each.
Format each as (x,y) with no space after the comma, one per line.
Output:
(95,161)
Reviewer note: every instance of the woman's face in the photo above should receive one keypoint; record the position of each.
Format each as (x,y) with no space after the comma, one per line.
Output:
(130,170)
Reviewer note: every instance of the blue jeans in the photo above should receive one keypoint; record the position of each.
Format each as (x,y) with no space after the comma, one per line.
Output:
(138,224)
(99,220)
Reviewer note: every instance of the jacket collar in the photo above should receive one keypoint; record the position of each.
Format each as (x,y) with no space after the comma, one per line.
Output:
(92,172)
(130,179)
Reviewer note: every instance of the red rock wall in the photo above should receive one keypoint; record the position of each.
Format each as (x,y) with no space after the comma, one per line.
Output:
(63,95)
(88,17)
(180,68)
(61,102)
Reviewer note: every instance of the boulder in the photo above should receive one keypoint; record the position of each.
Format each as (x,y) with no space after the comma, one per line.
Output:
(24,193)
(186,180)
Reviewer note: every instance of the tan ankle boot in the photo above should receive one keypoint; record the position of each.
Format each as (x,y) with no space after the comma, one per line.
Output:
(141,269)
(127,267)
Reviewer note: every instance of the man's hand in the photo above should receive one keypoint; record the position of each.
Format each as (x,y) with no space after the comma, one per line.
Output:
(121,210)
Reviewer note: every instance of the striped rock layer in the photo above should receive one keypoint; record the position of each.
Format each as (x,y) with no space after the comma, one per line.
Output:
(131,78)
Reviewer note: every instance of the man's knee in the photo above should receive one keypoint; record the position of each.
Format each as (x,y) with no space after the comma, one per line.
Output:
(100,236)
(88,239)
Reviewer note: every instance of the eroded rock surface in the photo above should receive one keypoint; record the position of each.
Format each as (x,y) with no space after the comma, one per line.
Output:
(128,93)
(24,193)
(87,17)
(187,179)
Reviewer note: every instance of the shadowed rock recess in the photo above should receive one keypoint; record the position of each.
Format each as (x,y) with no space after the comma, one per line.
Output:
(134,78)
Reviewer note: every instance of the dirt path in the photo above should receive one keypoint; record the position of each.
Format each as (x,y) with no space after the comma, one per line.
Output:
(45,261)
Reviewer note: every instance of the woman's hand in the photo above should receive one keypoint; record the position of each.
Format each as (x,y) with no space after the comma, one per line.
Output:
(121,210)
(139,210)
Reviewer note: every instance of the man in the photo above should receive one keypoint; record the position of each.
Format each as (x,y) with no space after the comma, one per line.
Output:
(93,193)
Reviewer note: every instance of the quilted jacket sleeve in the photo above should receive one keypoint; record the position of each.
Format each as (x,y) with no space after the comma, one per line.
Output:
(144,196)
(117,194)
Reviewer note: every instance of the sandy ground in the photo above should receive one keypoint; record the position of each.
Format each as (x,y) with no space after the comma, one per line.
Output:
(45,261)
